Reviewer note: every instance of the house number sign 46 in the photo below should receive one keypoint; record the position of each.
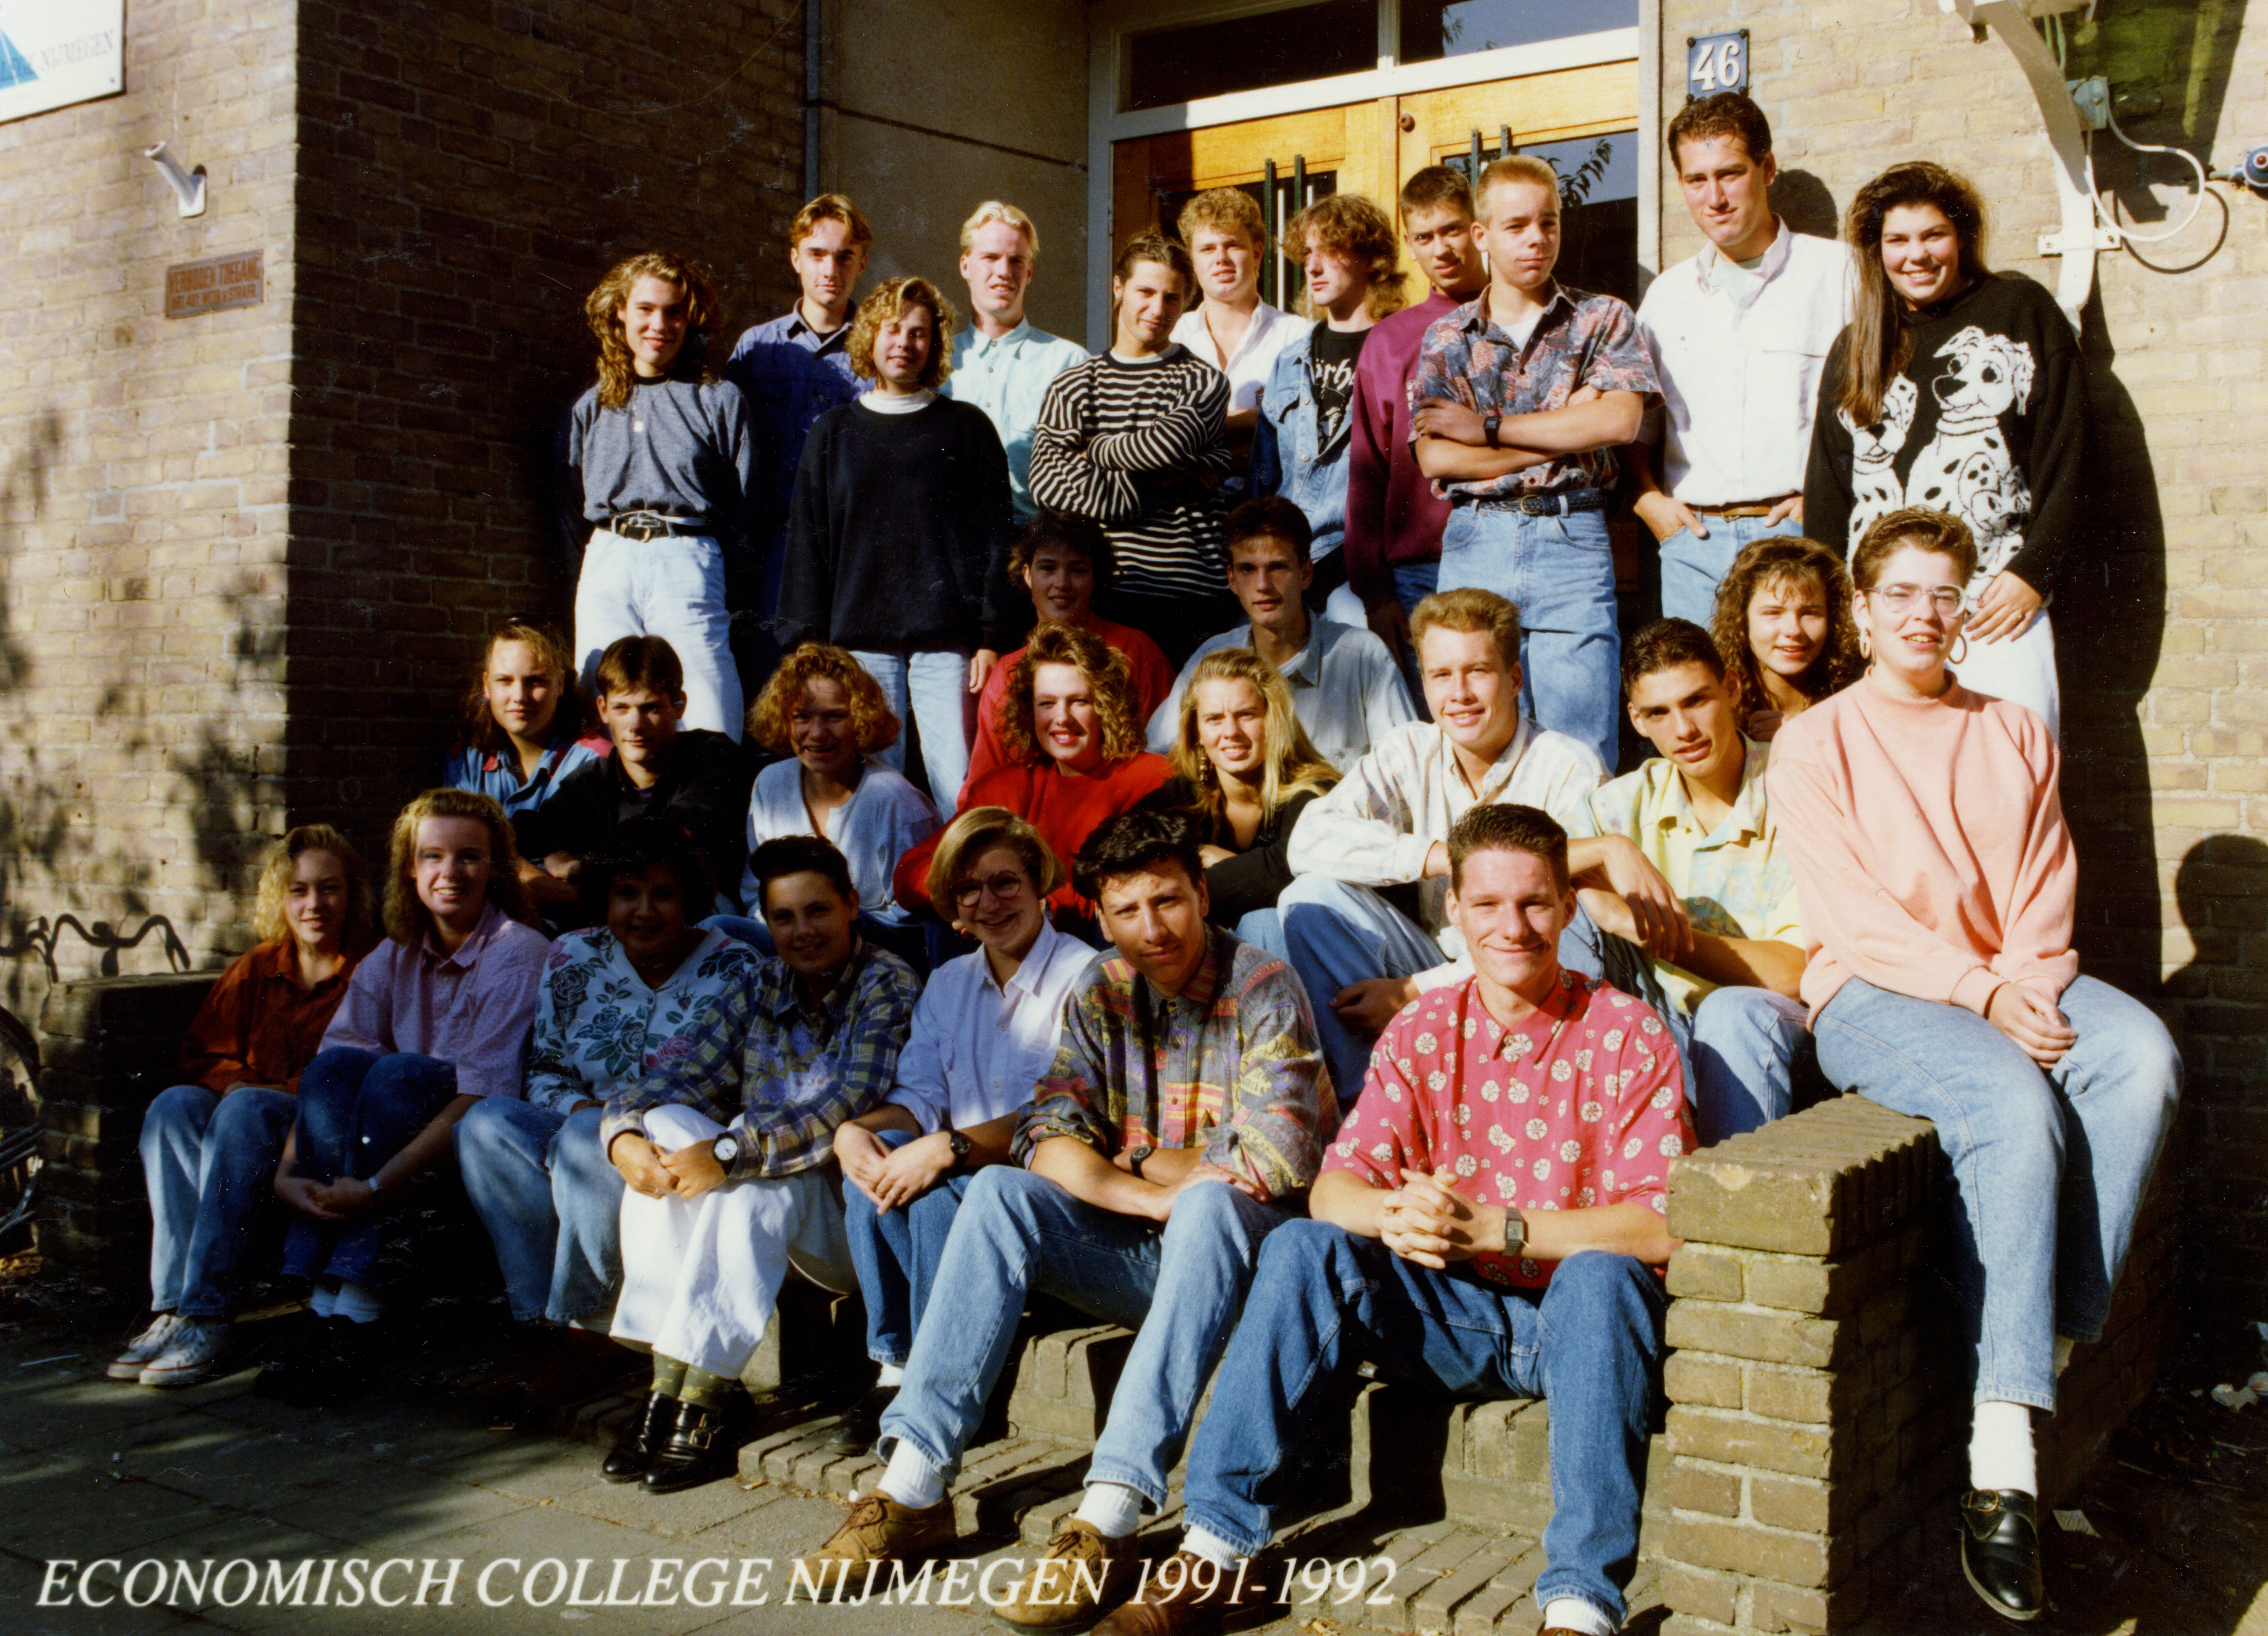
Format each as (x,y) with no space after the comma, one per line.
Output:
(1715,63)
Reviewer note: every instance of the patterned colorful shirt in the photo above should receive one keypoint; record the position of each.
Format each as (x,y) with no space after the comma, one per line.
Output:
(599,1028)
(778,1077)
(1582,1104)
(1232,1063)
(1579,341)
(1735,879)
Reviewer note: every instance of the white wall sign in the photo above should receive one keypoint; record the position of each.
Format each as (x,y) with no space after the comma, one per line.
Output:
(54,53)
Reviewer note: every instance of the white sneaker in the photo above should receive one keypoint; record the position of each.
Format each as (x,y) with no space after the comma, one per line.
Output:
(128,1364)
(192,1355)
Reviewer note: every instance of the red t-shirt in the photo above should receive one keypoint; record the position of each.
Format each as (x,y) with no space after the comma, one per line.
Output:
(1064,811)
(1146,665)
(1582,1104)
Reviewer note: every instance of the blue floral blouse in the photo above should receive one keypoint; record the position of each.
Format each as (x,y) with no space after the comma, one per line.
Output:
(600,1029)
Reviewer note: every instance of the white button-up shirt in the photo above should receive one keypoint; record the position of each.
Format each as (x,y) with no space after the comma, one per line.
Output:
(977,1048)
(1740,375)
(1346,690)
(1007,377)
(1248,367)
(1376,827)
(885,819)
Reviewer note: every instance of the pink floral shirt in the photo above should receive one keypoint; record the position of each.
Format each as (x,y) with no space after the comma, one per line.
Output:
(1582,1104)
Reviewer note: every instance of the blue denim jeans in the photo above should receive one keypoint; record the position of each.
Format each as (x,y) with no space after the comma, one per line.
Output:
(897,1253)
(1323,1300)
(1413,583)
(1179,1288)
(357,1108)
(551,1203)
(1741,1047)
(2049,1165)
(1559,572)
(1263,928)
(930,693)
(1691,569)
(210,1163)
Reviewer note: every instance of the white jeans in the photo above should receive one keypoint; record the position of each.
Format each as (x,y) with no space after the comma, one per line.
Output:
(2020,668)
(671,588)
(700,1276)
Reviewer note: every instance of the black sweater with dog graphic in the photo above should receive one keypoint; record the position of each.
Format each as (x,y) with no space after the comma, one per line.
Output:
(1988,421)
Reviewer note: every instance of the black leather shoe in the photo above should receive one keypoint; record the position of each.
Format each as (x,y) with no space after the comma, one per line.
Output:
(2000,1552)
(697,1452)
(633,1454)
(862,1422)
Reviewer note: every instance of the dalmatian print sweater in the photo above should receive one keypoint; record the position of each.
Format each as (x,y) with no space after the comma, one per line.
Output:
(1988,420)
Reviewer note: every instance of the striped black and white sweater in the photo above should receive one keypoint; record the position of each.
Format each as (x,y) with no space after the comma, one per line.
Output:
(1137,447)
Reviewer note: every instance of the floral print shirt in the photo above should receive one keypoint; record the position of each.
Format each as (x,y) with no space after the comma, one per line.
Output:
(1579,340)
(600,1029)
(1582,1104)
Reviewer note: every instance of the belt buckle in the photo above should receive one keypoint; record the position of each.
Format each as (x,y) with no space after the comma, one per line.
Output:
(1536,505)
(638,526)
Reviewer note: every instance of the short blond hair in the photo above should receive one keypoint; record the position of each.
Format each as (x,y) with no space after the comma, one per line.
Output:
(1514,167)
(1468,608)
(887,305)
(977,831)
(1229,208)
(829,207)
(999,210)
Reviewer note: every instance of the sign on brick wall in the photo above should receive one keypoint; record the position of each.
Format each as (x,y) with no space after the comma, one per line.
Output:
(211,285)
(54,53)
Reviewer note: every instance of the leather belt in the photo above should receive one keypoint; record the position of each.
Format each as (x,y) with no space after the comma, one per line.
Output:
(1559,505)
(1743,508)
(651,526)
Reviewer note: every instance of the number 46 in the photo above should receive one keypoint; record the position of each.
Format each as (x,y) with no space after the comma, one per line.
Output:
(1720,64)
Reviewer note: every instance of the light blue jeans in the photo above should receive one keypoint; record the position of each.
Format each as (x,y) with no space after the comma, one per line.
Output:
(1323,1300)
(551,1203)
(210,1163)
(897,1253)
(1691,569)
(930,693)
(2049,1167)
(1179,1288)
(1559,572)
(1263,928)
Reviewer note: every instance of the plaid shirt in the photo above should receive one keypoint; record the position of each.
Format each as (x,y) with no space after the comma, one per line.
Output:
(1580,341)
(781,1079)
(1231,1061)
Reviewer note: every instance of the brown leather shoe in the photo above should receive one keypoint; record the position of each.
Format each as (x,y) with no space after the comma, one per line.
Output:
(1186,1596)
(880,1530)
(1079,1575)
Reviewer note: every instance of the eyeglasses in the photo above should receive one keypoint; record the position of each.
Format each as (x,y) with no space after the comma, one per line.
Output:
(1898,598)
(1006,886)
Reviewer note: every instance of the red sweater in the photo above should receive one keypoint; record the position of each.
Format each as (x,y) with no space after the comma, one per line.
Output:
(1063,809)
(1393,514)
(1145,664)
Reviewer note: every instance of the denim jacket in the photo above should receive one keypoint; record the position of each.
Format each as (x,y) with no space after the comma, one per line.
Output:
(1287,455)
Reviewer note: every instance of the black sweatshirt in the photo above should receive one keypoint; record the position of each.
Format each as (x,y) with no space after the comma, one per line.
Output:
(703,786)
(1255,877)
(898,533)
(1988,421)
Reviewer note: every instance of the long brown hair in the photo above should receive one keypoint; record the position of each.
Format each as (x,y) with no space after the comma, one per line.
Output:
(1784,560)
(1292,763)
(478,729)
(704,316)
(1106,670)
(1882,333)
(408,921)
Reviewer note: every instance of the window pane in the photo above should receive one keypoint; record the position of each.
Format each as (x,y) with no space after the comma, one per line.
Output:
(1598,213)
(1433,29)
(1248,53)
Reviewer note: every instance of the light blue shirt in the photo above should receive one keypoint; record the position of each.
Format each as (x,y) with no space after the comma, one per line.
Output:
(498,777)
(1346,690)
(1007,379)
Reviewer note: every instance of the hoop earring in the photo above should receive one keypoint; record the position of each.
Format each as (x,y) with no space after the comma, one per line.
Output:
(1961,639)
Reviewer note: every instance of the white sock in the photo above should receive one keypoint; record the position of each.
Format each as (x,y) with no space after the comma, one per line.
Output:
(1115,1509)
(2000,1449)
(2064,1345)
(1575,1614)
(358,1301)
(912,1480)
(892,1374)
(1208,1547)
(324,1302)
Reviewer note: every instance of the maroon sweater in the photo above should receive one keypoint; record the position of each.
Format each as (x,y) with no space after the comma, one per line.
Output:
(1393,514)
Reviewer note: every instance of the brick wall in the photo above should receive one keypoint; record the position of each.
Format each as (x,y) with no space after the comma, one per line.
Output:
(142,487)
(2163,633)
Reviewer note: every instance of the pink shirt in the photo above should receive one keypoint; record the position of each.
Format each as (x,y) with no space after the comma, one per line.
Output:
(473,1008)
(1930,853)
(1582,1104)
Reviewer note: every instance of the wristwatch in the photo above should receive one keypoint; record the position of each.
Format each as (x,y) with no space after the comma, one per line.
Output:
(371,1182)
(961,1148)
(726,1148)
(1515,1234)
(1488,426)
(1134,1159)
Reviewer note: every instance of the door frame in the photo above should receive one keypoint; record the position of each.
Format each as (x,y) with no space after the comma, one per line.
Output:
(1110,21)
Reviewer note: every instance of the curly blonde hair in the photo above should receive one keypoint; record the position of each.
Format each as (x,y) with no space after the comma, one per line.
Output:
(602,309)
(872,719)
(1348,224)
(267,922)
(888,304)
(1106,670)
(1784,560)
(408,920)
(1293,764)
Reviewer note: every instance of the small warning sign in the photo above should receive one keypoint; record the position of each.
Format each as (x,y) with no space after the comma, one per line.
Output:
(213,285)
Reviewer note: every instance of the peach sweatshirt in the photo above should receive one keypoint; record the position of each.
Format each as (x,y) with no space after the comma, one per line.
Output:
(1930,853)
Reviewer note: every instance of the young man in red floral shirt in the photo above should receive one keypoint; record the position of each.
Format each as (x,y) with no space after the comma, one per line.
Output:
(1489,1222)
